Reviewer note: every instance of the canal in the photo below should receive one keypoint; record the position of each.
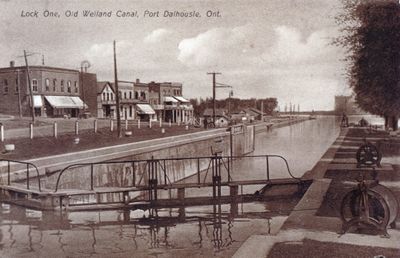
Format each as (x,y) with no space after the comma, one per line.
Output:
(203,231)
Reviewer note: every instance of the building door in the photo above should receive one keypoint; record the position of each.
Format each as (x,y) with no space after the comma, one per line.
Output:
(107,111)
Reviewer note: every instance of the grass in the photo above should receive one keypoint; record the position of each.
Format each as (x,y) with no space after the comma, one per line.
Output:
(45,146)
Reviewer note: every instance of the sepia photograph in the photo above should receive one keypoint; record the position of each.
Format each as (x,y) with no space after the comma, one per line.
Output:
(200,128)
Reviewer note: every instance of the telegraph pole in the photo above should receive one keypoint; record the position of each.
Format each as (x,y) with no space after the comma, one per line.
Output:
(19,95)
(213,74)
(117,94)
(30,87)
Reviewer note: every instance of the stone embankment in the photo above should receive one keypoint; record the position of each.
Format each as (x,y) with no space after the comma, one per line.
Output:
(313,227)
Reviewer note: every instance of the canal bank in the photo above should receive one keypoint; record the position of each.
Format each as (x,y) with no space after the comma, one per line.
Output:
(312,228)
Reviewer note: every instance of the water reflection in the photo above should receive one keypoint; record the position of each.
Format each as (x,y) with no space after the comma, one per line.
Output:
(213,230)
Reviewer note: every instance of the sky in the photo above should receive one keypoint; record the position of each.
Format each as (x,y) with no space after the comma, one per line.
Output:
(263,48)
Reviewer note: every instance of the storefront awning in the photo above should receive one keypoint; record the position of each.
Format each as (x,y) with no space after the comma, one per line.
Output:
(37,101)
(145,109)
(65,102)
(170,99)
(181,99)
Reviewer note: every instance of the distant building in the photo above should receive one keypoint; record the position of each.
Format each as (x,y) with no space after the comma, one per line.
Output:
(167,101)
(346,104)
(56,91)
(221,117)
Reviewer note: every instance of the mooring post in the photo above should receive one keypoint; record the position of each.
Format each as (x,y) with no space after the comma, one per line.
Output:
(55,133)
(1,132)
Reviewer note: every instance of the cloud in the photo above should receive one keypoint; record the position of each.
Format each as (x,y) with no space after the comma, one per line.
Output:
(158,35)
(289,48)
(223,47)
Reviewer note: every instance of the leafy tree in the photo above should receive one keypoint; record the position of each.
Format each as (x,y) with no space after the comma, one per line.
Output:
(371,34)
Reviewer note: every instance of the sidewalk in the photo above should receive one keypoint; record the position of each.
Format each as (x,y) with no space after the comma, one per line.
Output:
(312,229)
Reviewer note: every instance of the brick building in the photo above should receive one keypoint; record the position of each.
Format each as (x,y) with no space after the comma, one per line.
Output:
(56,91)
(167,100)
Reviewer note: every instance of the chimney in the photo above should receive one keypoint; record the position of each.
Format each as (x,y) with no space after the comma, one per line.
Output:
(12,63)
(137,81)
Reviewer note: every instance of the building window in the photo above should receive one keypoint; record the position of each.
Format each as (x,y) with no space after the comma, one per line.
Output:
(76,86)
(112,96)
(47,84)
(69,86)
(5,82)
(54,84)
(125,95)
(108,96)
(130,95)
(136,95)
(5,89)
(104,96)
(16,89)
(62,85)
(130,111)
(143,95)
(34,85)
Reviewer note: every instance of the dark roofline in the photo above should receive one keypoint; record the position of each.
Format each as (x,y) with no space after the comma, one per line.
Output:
(39,67)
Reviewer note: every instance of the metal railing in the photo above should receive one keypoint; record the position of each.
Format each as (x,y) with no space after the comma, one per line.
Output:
(28,165)
(158,175)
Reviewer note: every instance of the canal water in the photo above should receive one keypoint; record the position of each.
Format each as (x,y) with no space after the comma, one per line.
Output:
(203,231)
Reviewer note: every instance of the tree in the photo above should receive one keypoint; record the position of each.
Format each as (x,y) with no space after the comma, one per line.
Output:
(371,34)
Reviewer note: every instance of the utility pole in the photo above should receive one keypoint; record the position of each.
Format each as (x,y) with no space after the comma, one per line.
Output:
(19,95)
(213,113)
(30,87)
(117,94)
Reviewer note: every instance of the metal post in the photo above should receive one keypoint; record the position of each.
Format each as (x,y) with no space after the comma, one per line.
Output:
(198,170)
(267,160)
(8,174)
(111,125)
(31,131)
(138,125)
(133,174)
(1,132)
(149,123)
(27,176)
(95,126)
(160,122)
(91,177)
(126,124)
(55,134)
